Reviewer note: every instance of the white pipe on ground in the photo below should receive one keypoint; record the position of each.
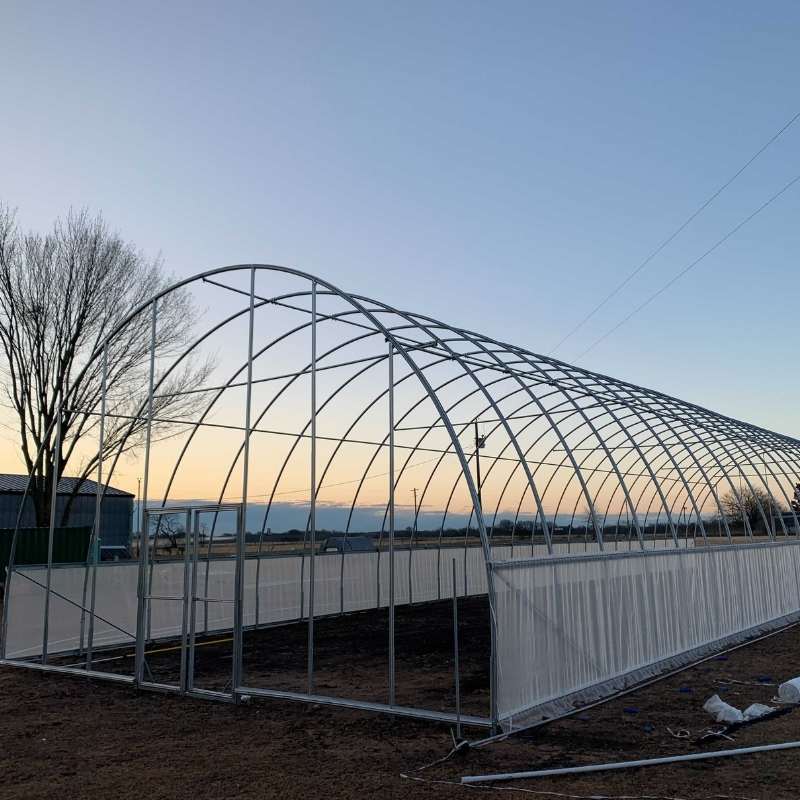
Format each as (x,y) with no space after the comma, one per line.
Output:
(646,762)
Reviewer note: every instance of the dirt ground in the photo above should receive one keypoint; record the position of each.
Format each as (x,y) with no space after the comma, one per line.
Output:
(351,657)
(64,737)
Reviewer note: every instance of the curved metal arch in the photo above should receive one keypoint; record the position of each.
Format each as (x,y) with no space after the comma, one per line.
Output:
(530,447)
(221,390)
(656,446)
(355,301)
(716,440)
(646,461)
(562,464)
(654,468)
(786,496)
(509,432)
(768,522)
(565,369)
(626,430)
(290,380)
(444,326)
(670,424)
(699,465)
(723,444)
(621,430)
(614,465)
(684,406)
(678,407)
(715,435)
(737,468)
(573,412)
(594,435)
(492,459)
(367,313)
(754,494)
(637,476)
(677,467)
(549,430)
(712,478)
(423,436)
(720,473)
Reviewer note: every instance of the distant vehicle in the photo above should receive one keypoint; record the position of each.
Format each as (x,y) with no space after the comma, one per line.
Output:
(349,544)
(114,553)
(217,538)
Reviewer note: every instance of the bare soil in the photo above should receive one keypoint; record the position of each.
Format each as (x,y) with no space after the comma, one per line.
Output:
(64,737)
(351,657)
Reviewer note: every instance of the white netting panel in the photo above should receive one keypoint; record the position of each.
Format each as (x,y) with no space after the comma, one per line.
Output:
(349,583)
(566,625)
(353,582)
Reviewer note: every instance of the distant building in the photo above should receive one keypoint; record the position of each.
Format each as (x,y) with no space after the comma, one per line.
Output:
(115,515)
(790,520)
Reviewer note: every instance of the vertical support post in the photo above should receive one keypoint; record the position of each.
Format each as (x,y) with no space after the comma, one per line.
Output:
(628,527)
(378,570)
(207,576)
(195,539)
(533,534)
(187,599)
(51,527)
(144,544)
(392,682)
(456,671)
(411,552)
(7,592)
(313,511)
(466,550)
(241,533)
(258,575)
(478,446)
(95,544)
(493,711)
(341,575)
(439,564)
(10,566)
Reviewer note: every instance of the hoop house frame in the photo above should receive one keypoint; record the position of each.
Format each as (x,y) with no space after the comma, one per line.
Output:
(573,502)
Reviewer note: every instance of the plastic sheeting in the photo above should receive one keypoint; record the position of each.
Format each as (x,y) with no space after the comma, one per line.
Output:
(571,630)
(343,583)
(353,582)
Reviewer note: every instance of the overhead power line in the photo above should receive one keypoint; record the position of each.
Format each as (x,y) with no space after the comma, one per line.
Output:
(675,233)
(690,266)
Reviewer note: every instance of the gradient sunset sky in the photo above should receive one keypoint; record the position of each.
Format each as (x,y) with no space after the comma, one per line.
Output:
(500,166)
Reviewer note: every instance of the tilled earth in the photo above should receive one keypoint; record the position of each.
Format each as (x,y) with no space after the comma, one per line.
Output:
(63,737)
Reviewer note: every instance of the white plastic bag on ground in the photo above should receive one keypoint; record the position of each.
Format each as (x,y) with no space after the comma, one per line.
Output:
(789,692)
(757,710)
(721,711)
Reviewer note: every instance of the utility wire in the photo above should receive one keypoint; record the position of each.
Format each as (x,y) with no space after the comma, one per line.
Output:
(688,267)
(674,234)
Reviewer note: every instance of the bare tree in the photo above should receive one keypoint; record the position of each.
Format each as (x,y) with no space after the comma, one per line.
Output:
(172,529)
(61,294)
(749,503)
(796,499)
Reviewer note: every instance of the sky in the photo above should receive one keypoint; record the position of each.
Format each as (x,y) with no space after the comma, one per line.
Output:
(500,166)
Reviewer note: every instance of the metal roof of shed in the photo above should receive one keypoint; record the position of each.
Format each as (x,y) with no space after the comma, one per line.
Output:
(15,484)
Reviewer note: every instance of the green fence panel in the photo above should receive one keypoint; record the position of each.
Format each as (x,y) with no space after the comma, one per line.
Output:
(70,546)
